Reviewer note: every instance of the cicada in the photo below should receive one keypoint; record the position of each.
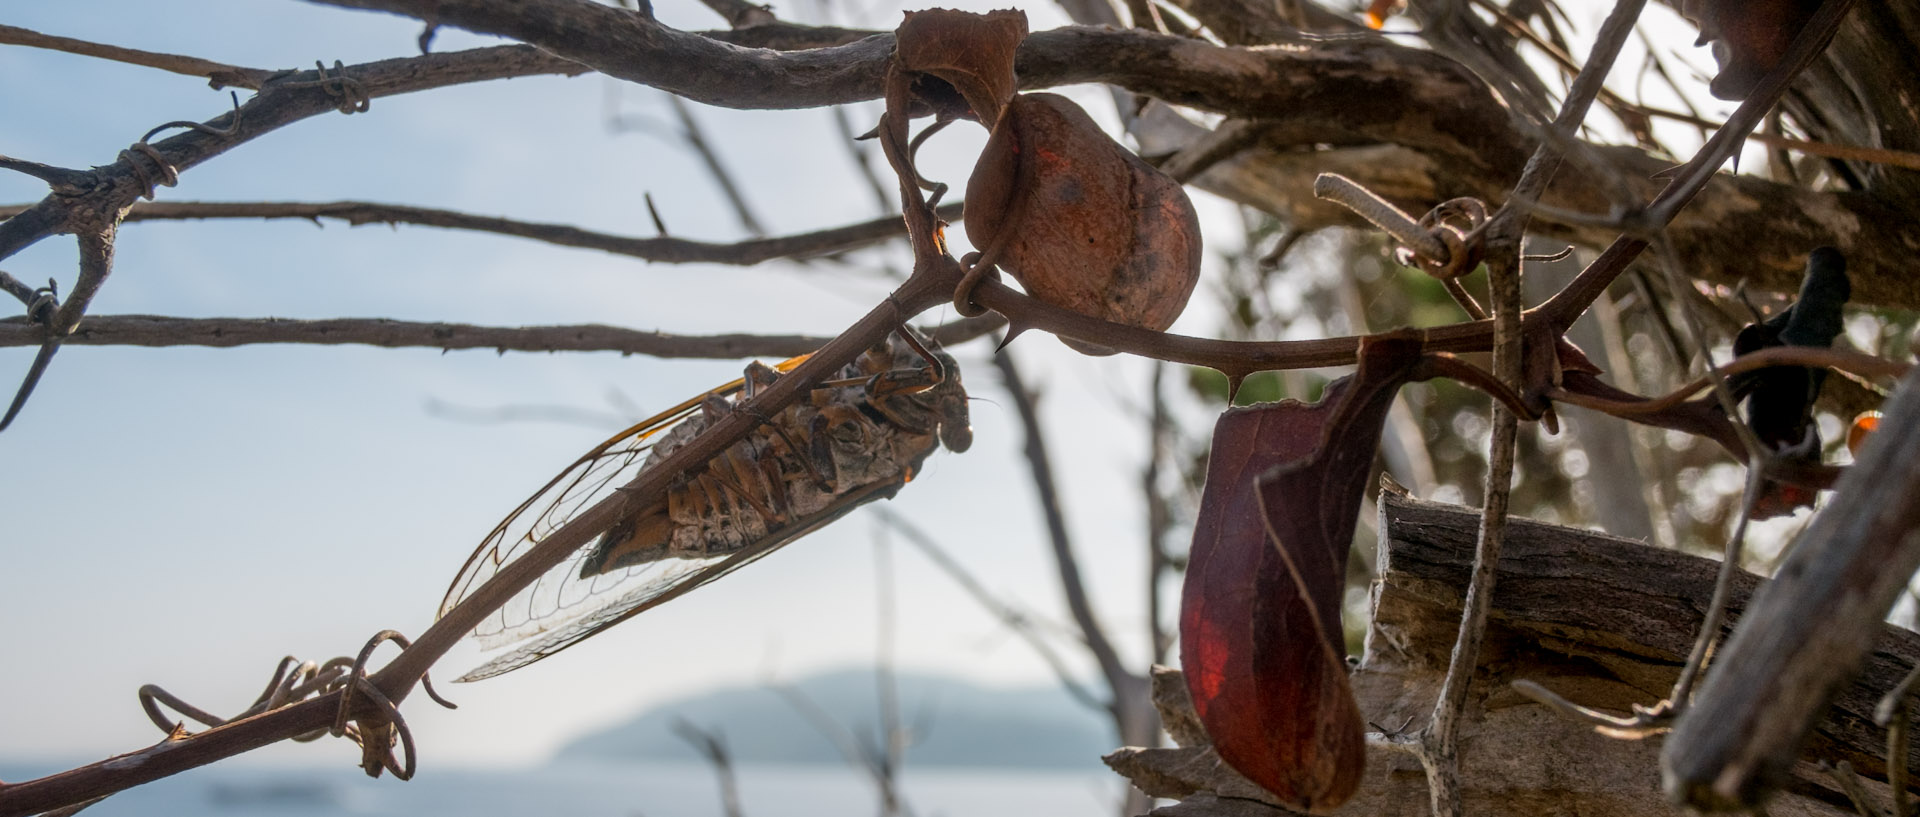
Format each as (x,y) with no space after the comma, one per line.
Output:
(855,439)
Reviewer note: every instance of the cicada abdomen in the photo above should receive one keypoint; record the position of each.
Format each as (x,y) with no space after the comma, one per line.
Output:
(859,437)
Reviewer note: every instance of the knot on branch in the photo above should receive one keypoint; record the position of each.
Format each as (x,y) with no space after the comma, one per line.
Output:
(1446,243)
(168,175)
(350,96)
(293,681)
(44,303)
(1458,225)
(979,268)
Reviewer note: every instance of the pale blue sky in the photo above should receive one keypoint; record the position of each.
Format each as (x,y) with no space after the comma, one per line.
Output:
(185,516)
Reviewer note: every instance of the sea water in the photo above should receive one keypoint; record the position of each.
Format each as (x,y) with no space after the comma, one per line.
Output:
(639,789)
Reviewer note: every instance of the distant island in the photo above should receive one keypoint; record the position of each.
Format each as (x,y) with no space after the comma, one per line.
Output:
(953,723)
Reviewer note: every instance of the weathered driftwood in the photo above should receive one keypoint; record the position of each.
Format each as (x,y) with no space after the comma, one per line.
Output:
(1605,622)
(1810,628)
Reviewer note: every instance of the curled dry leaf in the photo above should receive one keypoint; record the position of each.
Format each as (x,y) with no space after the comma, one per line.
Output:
(1260,634)
(1082,222)
(1749,37)
(971,53)
(1780,400)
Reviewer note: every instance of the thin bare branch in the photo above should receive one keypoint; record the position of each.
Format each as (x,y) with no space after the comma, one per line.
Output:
(696,138)
(1159,512)
(849,139)
(713,746)
(740,13)
(1689,179)
(1016,620)
(285,100)
(18,289)
(851,749)
(219,75)
(1439,741)
(1120,682)
(893,735)
(1845,360)
(662,250)
(156,331)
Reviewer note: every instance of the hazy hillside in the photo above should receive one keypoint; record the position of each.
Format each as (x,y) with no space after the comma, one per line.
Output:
(954,723)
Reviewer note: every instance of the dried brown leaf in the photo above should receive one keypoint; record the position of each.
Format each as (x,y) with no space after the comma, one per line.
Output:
(1749,37)
(972,53)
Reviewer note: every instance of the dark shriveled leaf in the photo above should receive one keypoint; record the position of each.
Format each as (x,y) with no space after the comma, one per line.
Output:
(1749,37)
(1082,222)
(1780,400)
(1261,642)
(973,53)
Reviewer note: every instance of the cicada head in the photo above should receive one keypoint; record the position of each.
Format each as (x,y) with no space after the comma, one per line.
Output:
(950,403)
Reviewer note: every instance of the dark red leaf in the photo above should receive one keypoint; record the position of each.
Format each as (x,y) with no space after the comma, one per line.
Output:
(1261,642)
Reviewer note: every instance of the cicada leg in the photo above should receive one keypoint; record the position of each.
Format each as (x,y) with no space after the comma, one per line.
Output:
(897,382)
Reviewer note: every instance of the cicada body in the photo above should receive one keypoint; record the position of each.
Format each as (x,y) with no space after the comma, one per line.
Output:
(858,438)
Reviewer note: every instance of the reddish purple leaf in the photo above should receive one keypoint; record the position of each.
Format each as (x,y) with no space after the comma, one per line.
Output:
(1261,643)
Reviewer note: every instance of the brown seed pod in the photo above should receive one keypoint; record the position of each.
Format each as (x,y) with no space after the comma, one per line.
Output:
(1082,222)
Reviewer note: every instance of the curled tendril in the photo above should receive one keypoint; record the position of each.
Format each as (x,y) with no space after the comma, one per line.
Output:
(293,681)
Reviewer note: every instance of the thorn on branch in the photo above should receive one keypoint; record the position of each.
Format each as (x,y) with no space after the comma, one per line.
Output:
(659,224)
(62,180)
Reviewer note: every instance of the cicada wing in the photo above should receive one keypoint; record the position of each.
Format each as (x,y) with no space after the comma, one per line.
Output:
(561,594)
(666,581)
(648,586)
